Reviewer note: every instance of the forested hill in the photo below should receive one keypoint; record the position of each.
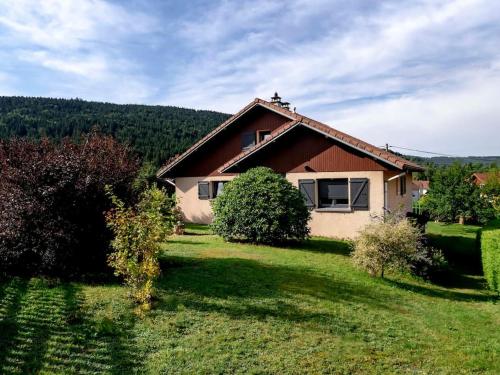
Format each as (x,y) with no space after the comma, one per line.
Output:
(155,132)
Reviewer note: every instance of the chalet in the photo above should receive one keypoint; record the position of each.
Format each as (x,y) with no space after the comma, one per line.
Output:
(345,181)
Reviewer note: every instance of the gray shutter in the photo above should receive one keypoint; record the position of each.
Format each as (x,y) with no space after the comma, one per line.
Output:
(307,189)
(247,140)
(359,193)
(203,190)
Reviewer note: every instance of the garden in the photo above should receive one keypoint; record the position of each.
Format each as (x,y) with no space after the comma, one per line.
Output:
(241,296)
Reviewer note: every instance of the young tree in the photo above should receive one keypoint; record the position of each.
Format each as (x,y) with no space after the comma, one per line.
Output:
(138,232)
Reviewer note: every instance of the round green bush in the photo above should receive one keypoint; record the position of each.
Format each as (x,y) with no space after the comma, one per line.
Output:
(260,206)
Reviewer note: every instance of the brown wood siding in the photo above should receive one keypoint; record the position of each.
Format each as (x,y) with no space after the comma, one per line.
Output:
(227,144)
(303,150)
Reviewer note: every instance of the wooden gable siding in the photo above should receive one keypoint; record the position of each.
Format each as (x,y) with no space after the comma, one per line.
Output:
(226,145)
(303,150)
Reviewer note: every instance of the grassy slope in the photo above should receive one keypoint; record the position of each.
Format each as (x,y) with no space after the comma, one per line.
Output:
(229,308)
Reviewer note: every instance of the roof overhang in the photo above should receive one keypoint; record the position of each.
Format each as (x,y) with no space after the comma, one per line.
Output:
(256,103)
(257,148)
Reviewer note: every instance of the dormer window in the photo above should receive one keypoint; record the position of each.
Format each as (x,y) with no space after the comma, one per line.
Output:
(247,141)
(263,135)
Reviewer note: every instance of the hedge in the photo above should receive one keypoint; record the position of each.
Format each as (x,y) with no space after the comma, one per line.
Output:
(490,254)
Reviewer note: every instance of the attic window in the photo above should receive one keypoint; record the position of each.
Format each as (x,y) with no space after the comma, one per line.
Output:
(263,135)
(247,141)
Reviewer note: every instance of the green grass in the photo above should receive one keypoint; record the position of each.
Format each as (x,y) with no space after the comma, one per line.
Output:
(460,244)
(238,308)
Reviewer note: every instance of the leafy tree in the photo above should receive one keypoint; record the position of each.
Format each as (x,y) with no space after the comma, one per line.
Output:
(453,196)
(260,206)
(138,232)
(52,200)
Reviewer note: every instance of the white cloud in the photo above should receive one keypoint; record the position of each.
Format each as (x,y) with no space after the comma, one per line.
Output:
(464,120)
(81,39)
(420,55)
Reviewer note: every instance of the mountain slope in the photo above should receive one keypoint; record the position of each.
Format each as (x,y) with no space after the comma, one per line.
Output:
(155,132)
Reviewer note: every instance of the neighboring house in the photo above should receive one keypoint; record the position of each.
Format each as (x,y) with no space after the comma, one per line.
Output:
(418,189)
(345,181)
(480,178)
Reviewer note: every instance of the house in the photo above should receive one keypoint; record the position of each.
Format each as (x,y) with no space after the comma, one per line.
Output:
(481,178)
(418,189)
(345,181)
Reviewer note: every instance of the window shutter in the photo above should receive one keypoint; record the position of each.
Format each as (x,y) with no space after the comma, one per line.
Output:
(203,190)
(307,189)
(247,140)
(359,193)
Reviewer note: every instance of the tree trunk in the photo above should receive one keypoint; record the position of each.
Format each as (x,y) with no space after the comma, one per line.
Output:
(461,220)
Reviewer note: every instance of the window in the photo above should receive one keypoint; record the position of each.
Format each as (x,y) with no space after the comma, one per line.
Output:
(263,135)
(402,185)
(247,140)
(333,193)
(203,190)
(217,188)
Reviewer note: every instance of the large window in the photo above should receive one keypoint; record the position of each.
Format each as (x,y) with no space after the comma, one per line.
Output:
(333,193)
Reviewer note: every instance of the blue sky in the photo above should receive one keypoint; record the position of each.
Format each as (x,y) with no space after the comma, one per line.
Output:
(419,74)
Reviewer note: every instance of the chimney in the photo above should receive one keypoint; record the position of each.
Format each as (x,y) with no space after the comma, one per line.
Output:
(276,99)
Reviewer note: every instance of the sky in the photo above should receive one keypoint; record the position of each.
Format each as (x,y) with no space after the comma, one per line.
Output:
(420,74)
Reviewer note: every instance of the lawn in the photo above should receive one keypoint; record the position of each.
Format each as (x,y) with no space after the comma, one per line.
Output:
(237,308)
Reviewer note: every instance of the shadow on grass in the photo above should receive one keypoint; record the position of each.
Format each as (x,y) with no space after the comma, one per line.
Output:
(45,328)
(323,245)
(445,293)
(243,287)
(463,253)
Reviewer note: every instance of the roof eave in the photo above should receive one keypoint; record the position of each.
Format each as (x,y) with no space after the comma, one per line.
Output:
(256,102)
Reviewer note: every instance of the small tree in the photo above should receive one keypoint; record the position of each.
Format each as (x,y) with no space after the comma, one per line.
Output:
(138,232)
(393,243)
(260,206)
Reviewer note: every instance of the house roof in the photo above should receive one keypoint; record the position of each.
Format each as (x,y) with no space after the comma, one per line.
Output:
(421,184)
(296,119)
(482,177)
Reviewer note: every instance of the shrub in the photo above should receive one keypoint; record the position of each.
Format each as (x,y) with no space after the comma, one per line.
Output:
(490,254)
(392,243)
(52,200)
(260,206)
(138,232)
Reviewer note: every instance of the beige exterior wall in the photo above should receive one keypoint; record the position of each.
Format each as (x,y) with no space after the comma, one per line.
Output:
(329,224)
(344,224)
(195,210)
(395,200)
